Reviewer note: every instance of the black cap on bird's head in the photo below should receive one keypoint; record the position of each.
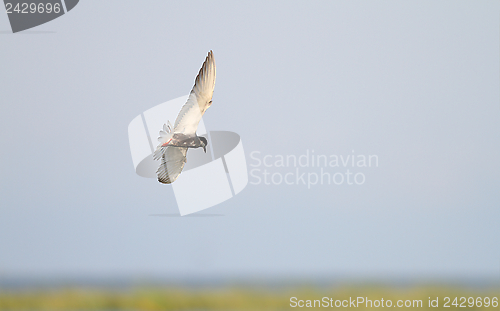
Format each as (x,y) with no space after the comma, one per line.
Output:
(204,143)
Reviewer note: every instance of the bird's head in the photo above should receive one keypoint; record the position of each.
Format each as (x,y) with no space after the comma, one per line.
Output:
(204,143)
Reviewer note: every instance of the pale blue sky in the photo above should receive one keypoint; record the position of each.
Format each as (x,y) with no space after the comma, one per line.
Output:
(414,82)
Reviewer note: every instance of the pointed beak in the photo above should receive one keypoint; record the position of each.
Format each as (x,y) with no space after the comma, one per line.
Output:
(205,149)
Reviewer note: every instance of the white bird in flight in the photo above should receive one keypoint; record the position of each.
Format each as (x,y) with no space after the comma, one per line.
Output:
(175,140)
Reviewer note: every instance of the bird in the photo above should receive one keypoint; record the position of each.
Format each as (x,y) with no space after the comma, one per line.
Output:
(174,141)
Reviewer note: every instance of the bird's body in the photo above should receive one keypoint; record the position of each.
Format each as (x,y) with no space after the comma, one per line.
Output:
(182,140)
(175,140)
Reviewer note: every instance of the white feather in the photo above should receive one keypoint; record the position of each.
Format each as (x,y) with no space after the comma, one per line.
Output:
(172,163)
(199,99)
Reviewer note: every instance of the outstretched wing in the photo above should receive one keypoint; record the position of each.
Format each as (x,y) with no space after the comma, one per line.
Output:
(172,163)
(199,99)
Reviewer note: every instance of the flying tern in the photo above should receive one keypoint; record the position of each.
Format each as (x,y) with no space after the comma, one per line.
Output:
(177,139)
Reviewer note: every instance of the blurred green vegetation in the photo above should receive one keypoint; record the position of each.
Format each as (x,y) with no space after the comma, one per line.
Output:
(229,298)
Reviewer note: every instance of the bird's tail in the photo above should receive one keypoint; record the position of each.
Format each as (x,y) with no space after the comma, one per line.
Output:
(164,138)
(167,130)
